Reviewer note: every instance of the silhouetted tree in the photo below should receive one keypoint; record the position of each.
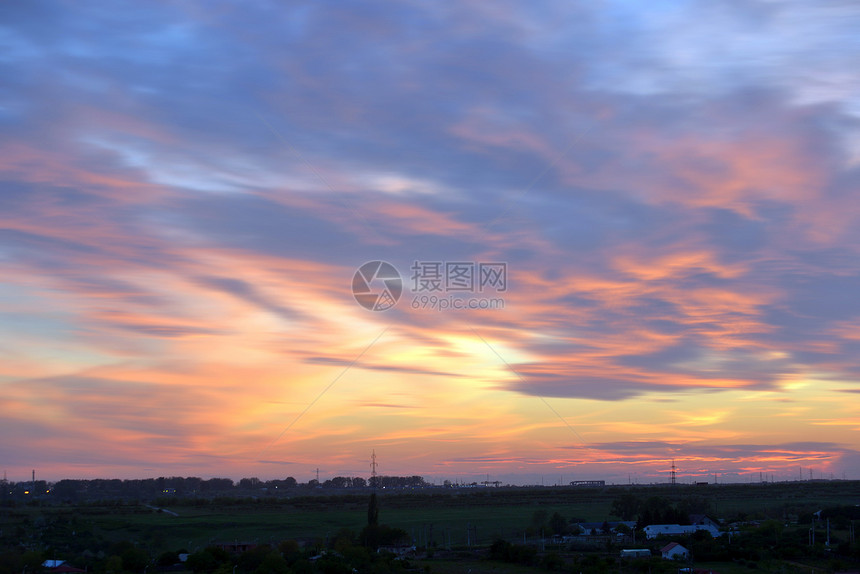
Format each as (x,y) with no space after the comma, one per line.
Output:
(626,506)
(558,524)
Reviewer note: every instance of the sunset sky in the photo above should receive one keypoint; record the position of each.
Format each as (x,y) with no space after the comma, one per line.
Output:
(188,188)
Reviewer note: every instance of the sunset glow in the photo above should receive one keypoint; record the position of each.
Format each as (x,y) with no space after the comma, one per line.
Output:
(187,191)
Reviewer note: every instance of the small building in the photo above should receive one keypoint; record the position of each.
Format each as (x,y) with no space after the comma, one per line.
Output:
(635,553)
(655,530)
(674,551)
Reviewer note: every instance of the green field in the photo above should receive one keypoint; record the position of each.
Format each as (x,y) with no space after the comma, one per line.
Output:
(496,512)
(504,513)
(438,518)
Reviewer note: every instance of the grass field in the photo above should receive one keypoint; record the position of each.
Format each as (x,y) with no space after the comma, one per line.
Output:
(445,519)
(440,516)
(499,513)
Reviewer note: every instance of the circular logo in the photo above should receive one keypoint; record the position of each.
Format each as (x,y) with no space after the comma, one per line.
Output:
(377,286)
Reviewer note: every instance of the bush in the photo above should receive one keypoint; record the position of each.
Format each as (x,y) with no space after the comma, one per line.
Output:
(168,558)
(552,561)
(207,560)
(515,553)
(374,536)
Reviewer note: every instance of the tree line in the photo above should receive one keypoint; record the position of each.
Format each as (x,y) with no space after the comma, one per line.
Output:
(77,490)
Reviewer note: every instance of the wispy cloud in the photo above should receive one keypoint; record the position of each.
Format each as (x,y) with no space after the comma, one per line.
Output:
(185,197)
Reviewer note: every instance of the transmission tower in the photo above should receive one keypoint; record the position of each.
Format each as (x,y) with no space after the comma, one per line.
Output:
(674,468)
(373,465)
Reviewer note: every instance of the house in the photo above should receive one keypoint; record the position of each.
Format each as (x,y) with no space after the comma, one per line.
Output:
(703,519)
(636,553)
(674,551)
(655,530)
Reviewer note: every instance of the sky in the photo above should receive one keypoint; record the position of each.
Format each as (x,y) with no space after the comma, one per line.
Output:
(647,212)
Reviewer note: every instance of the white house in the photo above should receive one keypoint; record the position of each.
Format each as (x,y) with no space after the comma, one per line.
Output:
(703,519)
(674,551)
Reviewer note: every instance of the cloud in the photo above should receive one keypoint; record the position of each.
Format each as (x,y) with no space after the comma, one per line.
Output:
(373,367)
(186,195)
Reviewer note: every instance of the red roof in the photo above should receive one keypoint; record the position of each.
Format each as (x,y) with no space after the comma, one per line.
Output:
(669,546)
